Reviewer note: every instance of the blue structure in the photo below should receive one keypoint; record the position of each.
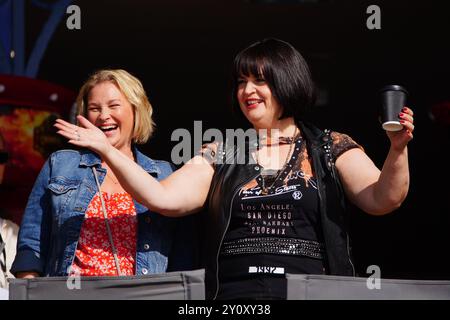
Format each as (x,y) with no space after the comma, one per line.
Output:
(12,35)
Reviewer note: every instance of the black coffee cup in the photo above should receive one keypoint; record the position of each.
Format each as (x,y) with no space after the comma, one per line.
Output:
(393,99)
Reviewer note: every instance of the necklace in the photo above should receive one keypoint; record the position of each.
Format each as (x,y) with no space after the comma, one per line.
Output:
(281,140)
(110,178)
(265,189)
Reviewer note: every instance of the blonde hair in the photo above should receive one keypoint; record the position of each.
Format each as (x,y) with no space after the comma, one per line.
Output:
(133,90)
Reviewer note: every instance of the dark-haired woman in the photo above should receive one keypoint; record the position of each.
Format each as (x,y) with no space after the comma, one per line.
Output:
(283,210)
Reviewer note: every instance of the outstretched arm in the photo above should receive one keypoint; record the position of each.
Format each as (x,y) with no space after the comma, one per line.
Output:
(181,193)
(374,191)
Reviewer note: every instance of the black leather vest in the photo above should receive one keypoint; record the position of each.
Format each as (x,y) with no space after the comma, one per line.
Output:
(229,178)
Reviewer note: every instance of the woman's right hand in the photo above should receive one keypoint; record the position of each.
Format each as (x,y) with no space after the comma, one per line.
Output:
(27,275)
(87,135)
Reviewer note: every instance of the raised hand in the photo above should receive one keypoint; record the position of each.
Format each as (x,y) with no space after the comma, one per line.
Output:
(399,139)
(87,135)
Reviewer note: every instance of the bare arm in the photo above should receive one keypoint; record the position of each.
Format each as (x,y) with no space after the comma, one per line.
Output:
(181,193)
(374,191)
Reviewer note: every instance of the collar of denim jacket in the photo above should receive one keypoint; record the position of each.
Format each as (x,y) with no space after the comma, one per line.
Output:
(89,159)
(145,162)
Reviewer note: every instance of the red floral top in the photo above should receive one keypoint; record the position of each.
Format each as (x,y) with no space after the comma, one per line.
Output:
(94,256)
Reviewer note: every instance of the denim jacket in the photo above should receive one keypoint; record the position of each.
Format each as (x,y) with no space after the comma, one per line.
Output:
(55,211)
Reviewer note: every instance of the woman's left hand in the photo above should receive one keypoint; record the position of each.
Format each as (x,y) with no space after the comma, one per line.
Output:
(86,135)
(399,139)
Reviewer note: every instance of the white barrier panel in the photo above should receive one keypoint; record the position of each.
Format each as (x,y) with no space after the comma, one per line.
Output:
(184,285)
(321,287)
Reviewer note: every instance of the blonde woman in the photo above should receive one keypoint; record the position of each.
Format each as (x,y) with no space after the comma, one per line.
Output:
(79,219)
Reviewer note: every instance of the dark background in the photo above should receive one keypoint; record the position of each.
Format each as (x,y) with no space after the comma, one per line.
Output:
(182,51)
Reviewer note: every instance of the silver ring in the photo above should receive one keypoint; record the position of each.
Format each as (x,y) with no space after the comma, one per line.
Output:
(77,134)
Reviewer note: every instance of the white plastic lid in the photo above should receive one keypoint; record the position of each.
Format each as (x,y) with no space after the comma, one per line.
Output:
(392,126)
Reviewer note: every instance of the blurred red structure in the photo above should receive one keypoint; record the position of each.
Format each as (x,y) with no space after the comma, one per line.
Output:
(28,108)
(440,113)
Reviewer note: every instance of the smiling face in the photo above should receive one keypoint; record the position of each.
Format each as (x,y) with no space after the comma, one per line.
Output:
(257,101)
(109,110)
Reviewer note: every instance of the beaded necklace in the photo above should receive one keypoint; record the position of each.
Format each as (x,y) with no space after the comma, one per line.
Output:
(266,189)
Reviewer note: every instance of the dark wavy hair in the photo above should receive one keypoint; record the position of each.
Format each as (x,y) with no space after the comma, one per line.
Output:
(285,71)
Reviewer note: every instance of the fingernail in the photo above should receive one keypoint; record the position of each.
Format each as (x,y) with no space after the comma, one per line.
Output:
(402,121)
(401,114)
(404,109)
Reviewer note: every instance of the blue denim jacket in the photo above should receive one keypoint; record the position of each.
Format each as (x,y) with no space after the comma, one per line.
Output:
(55,211)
